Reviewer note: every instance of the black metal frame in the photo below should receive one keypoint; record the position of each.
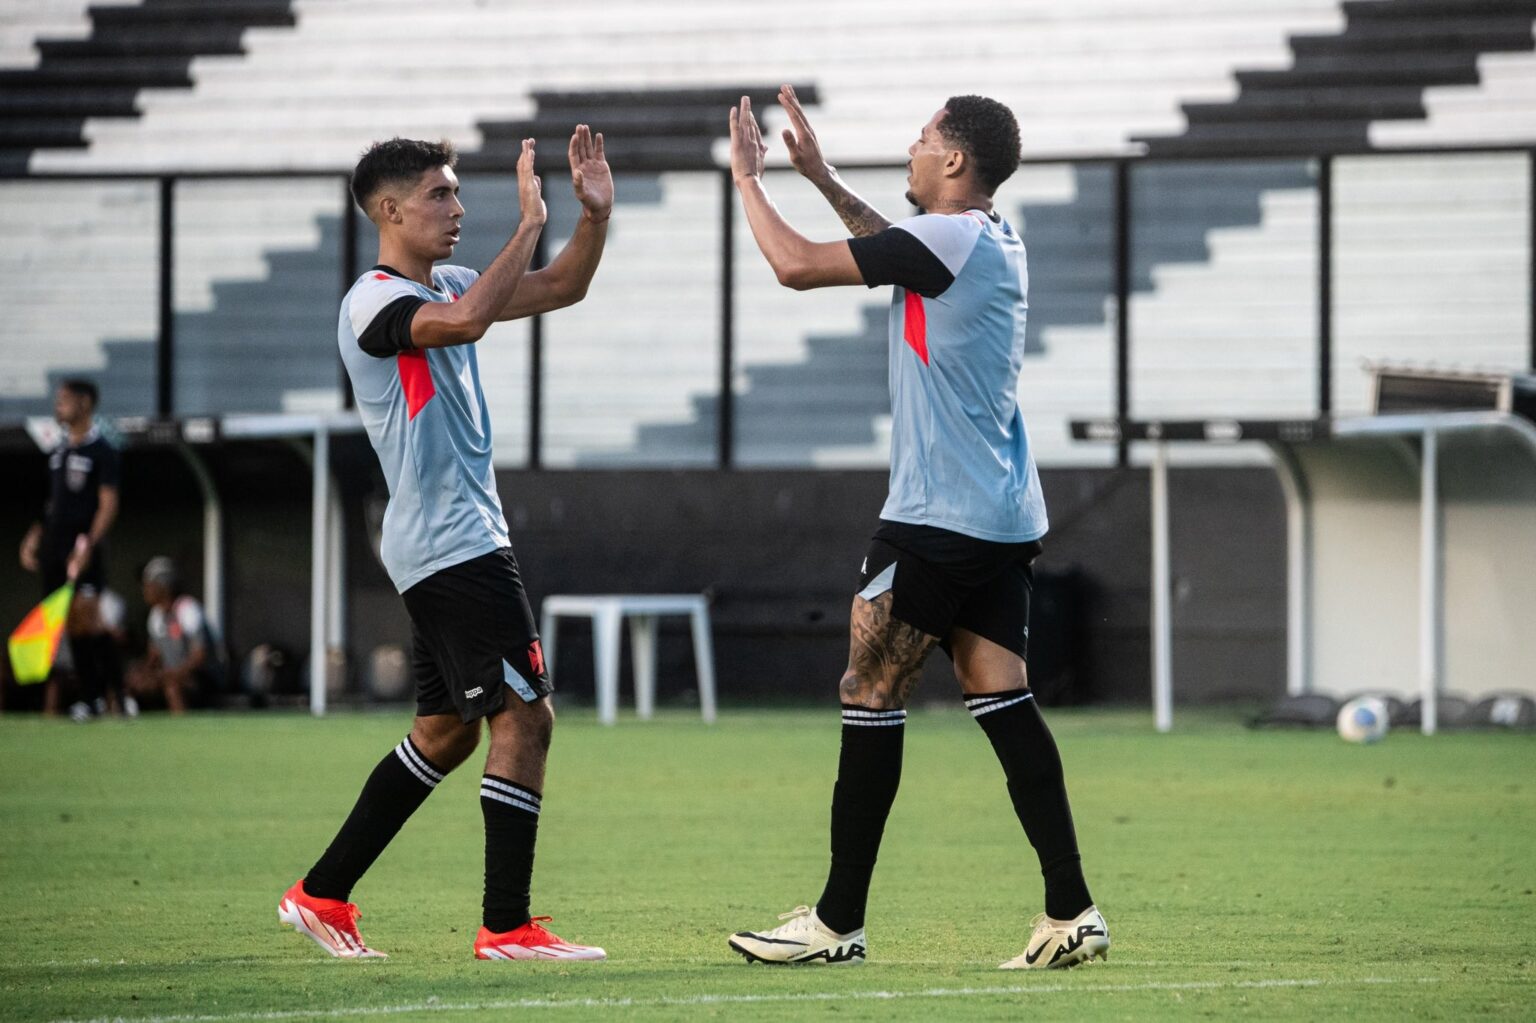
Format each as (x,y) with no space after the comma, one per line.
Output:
(165,348)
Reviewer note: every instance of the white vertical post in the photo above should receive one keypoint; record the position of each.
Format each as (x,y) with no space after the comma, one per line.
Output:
(1298,571)
(704,658)
(336,580)
(1431,584)
(213,563)
(642,650)
(213,540)
(320,506)
(605,647)
(1162,594)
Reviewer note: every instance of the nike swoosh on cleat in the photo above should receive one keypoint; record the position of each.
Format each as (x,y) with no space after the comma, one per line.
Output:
(1030,957)
(770,941)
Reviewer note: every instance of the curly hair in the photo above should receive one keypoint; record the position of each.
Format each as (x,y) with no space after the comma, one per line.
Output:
(397,160)
(987,132)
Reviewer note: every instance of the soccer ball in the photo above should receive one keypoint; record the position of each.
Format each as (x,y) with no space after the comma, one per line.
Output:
(1363,719)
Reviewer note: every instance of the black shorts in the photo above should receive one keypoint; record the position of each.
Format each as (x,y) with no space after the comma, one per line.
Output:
(941,580)
(473,639)
(53,561)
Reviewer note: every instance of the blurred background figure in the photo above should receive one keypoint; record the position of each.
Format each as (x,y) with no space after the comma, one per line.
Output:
(182,662)
(69,540)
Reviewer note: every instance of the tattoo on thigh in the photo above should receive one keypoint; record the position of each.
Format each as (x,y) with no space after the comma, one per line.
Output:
(885,656)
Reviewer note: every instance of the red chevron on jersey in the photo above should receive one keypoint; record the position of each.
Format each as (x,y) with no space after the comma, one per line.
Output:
(915,326)
(416,381)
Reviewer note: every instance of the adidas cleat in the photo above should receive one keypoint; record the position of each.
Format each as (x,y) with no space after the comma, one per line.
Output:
(1058,944)
(531,941)
(805,939)
(330,922)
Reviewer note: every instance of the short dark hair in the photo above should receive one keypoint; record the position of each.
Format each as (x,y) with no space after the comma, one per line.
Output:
(397,160)
(987,132)
(81,387)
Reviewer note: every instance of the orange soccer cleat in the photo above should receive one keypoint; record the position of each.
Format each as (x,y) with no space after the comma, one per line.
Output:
(331,922)
(531,941)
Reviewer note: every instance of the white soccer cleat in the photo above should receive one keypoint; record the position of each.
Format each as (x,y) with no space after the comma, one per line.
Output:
(1058,944)
(805,939)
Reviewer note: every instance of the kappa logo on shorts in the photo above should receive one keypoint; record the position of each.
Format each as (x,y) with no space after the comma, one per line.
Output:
(470,694)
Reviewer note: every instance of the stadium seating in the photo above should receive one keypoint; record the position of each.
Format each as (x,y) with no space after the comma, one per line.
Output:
(1224,268)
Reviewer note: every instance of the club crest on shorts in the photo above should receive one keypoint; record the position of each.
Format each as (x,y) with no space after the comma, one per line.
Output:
(536,657)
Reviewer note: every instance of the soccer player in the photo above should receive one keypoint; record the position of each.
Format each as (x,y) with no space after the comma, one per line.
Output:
(407,333)
(950,563)
(69,542)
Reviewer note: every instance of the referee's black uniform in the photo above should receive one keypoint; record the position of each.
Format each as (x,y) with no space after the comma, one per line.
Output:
(76,474)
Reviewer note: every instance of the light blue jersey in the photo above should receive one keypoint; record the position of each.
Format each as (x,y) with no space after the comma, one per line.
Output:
(960,457)
(425,414)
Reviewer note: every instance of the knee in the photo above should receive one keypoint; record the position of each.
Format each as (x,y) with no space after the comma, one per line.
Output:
(448,749)
(538,724)
(858,690)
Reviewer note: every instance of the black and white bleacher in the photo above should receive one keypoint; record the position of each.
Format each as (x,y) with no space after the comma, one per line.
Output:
(1222,276)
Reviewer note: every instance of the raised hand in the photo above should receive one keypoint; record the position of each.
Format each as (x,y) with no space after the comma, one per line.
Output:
(747,146)
(800,139)
(590,176)
(530,191)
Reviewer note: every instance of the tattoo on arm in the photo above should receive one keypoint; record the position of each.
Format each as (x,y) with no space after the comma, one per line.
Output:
(858,216)
(885,656)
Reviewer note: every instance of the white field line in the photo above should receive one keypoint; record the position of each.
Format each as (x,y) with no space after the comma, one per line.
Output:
(434,1005)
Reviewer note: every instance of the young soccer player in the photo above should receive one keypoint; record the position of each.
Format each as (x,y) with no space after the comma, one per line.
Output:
(407,333)
(950,563)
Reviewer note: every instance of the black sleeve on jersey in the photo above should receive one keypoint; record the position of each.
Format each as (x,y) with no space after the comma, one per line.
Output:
(895,256)
(390,332)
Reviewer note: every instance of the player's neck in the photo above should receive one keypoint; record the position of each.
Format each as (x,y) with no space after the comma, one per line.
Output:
(78,432)
(959,202)
(405,262)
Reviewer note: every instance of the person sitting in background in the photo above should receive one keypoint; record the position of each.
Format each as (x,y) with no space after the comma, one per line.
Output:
(180,654)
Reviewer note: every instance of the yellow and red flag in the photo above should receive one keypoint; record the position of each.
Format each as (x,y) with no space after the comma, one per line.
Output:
(36,640)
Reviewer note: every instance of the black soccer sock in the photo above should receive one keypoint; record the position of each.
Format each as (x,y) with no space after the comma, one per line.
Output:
(511,828)
(1032,764)
(868,773)
(106,664)
(82,652)
(398,785)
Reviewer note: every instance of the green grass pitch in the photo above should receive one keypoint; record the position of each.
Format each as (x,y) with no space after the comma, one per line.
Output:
(1243,874)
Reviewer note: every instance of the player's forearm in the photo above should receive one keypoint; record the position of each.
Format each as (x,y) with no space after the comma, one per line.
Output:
(858,216)
(787,250)
(106,515)
(438,325)
(571,272)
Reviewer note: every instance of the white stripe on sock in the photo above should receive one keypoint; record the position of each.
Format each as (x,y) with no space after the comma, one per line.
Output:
(489,793)
(421,761)
(980,707)
(430,783)
(849,712)
(510,789)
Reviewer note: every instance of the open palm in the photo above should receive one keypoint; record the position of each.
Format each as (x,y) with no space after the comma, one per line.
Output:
(590,176)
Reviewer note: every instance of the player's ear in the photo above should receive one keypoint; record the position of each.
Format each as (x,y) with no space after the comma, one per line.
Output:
(388,207)
(956,163)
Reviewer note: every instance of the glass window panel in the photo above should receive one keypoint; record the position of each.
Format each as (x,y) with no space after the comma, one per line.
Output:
(811,366)
(79,280)
(1431,265)
(631,374)
(257,286)
(1223,315)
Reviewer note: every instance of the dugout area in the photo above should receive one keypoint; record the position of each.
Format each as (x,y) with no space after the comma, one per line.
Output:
(776,550)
